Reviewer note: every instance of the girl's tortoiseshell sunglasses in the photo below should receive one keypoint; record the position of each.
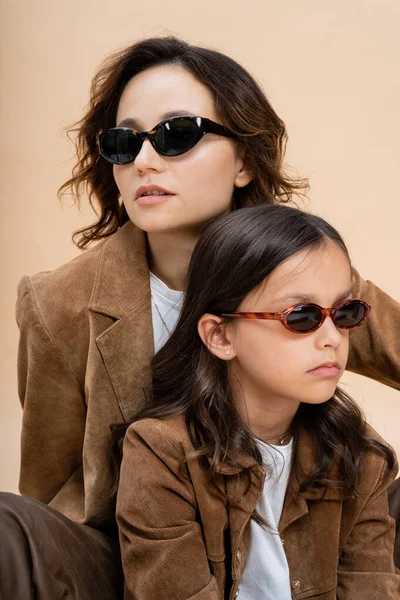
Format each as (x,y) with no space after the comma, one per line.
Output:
(303,318)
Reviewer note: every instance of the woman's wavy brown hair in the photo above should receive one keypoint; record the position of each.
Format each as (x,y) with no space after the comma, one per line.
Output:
(233,257)
(240,103)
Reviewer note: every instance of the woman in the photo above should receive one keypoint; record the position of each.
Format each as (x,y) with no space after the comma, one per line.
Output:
(90,328)
(246,443)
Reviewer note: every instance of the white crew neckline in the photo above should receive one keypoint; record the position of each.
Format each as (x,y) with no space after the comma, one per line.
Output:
(161,289)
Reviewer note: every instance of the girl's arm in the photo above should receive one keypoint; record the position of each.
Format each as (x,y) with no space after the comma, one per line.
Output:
(375,347)
(163,552)
(366,567)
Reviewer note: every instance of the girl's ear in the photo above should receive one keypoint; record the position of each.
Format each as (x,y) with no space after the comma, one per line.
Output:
(214,335)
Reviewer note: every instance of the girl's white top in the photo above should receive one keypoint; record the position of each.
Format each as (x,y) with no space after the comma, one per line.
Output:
(266,574)
(169,303)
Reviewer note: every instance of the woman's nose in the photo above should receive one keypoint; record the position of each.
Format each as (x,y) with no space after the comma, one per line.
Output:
(148,159)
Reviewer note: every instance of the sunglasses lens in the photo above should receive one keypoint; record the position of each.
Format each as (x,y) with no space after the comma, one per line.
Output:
(350,315)
(120,146)
(304,318)
(177,136)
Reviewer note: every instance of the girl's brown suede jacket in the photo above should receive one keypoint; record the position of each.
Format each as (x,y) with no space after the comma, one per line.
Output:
(84,363)
(185,537)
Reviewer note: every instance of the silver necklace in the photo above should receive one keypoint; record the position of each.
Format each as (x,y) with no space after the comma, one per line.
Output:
(160,315)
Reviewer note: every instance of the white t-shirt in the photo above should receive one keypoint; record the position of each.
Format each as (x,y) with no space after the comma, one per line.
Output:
(169,304)
(266,574)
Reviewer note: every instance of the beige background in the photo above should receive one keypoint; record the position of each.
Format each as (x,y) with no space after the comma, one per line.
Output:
(331,70)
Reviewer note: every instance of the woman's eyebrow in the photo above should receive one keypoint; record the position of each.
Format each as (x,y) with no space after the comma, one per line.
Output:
(134,124)
(178,113)
(129,123)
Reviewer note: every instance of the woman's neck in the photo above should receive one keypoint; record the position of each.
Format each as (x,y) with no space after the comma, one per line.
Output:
(169,256)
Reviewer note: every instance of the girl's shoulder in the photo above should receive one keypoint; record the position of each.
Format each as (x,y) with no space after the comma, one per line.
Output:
(371,433)
(375,469)
(164,436)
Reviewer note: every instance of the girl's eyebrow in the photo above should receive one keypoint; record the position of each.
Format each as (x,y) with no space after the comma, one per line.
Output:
(134,124)
(310,298)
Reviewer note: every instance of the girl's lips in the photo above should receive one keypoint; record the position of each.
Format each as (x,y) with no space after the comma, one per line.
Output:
(148,200)
(326,371)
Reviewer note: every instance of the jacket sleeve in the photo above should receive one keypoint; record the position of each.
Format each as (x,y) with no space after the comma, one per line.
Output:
(53,408)
(366,566)
(162,547)
(375,346)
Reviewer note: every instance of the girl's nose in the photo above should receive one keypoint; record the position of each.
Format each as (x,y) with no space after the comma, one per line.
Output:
(329,334)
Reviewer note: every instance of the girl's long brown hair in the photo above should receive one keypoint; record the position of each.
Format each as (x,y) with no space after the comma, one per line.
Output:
(240,103)
(233,257)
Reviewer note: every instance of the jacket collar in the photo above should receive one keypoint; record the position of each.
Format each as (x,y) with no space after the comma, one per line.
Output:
(122,272)
(305,454)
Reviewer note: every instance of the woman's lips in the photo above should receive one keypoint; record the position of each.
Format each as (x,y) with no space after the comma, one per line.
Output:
(148,200)
(152,194)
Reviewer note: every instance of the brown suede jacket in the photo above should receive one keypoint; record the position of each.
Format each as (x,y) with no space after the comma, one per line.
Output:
(84,362)
(185,537)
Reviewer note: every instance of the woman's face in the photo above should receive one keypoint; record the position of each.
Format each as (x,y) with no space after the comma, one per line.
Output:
(202,180)
(275,366)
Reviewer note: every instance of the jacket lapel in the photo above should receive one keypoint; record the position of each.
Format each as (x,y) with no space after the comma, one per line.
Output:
(296,502)
(121,291)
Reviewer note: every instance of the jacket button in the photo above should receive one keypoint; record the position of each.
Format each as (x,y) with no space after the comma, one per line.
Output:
(296,584)
(283,541)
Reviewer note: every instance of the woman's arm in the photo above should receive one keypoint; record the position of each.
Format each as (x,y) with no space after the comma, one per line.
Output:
(54,412)
(163,552)
(366,567)
(375,347)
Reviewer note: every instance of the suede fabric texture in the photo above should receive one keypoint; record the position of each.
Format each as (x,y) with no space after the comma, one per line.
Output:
(86,341)
(185,536)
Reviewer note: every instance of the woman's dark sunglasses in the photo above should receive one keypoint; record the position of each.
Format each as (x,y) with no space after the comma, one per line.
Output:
(172,137)
(303,318)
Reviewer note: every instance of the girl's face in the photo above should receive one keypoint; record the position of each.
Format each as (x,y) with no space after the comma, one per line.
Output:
(201,181)
(275,366)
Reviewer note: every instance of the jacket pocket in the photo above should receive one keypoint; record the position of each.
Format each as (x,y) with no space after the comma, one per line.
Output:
(322,592)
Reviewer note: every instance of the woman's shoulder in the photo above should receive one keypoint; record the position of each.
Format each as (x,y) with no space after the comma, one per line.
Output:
(77,276)
(120,257)
(72,280)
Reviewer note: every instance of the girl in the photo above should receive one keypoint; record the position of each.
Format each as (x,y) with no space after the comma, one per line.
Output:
(250,475)
(90,328)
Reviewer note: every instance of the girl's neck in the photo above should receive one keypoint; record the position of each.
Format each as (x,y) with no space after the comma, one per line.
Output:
(169,256)
(267,418)
(272,432)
